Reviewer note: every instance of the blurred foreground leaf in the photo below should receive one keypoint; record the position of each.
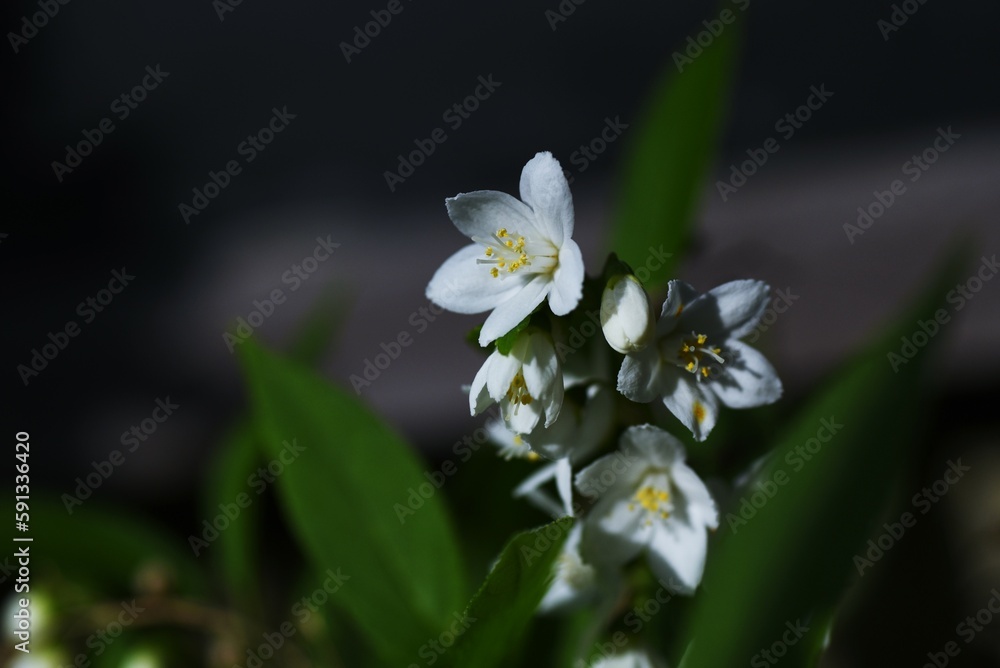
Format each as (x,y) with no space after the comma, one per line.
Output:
(667,159)
(500,613)
(785,561)
(347,497)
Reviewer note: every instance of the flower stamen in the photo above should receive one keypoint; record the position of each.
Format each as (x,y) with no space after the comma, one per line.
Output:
(693,353)
(504,251)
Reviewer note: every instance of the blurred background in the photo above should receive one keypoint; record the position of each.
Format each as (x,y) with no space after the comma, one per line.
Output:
(213,76)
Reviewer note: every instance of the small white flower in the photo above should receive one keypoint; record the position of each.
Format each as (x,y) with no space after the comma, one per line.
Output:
(523,252)
(649,500)
(576,582)
(527,383)
(630,659)
(626,316)
(569,441)
(698,359)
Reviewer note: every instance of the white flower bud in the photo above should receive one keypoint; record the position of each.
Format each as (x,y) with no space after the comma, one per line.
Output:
(626,317)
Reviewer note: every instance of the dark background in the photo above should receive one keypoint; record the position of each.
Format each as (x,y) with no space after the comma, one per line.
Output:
(323,175)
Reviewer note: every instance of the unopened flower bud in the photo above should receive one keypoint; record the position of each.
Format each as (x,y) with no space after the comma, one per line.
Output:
(626,317)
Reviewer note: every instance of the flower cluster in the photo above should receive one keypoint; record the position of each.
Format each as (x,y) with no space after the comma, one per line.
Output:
(557,389)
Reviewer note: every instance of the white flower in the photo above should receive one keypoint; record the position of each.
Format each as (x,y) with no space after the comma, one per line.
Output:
(698,359)
(527,383)
(626,317)
(523,252)
(630,659)
(649,500)
(569,441)
(576,582)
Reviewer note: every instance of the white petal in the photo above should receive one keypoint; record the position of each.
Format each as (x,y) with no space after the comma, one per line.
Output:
(733,309)
(545,190)
(695,408)
(639,378)
(679,295)
(521,418)
(564,483)
(502,369)
(462,286)
(652,445)
(748,380)
(542,375)
(483,212)
(616,532)
(514,309)
(699,505)
(677,552)
(479,396)
(567,281)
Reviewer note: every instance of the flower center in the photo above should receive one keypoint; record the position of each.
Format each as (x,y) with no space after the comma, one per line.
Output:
(517,393)
(654,500)
(509,253)
(693,353)
(518,449)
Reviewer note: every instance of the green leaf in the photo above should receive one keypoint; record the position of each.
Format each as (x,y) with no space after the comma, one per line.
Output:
(668,158)
(107,548)
(355,499)
(506,342)
(235,549)
(819,500)
(499,615)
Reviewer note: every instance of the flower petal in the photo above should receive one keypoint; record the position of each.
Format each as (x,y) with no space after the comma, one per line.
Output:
(564,483)
(567,280)
(483,212)
(733,309)
(502,369)
(699,504)
(462,286)
(514,309)
(545,190)
(694,407)
(639,376)
(747,380)
(679,295)
(479,396)
(521,418)
(542,375)
(677,553)
(653,445)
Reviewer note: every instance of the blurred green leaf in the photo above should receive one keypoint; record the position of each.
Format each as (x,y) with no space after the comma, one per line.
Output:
(347,498)
(792,559)
(667,159)
(500,613)
(236,548)
(506,342)
(107,548)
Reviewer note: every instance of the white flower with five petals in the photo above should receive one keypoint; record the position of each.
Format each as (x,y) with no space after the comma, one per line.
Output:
(698,360)
(527,383)
(523,252)
(649,500)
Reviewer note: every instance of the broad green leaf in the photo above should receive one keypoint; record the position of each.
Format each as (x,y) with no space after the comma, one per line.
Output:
(107,548)
(667,159)
(819,500)
(499,615)
(355,498)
